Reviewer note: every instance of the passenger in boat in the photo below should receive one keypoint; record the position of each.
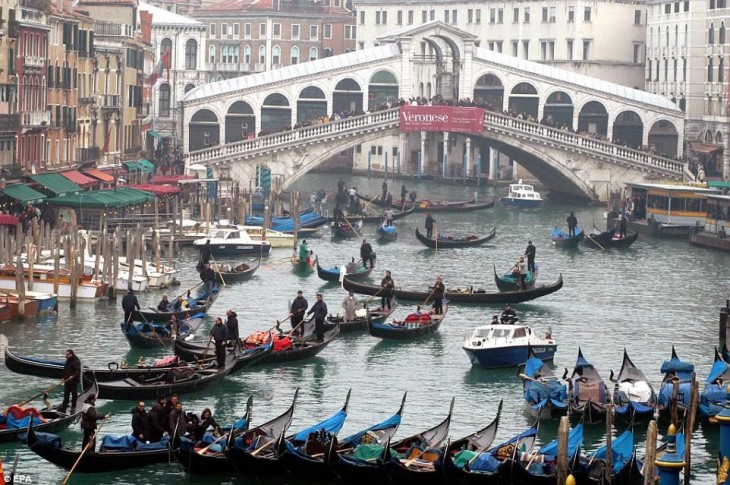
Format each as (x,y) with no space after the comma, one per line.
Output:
(523,272)
(153,425)
(353,194)
(572,224)
(429,225)
(350,304)
(139,422)
(366,254)
(167,406)
(178,305)
(206,421)
(495,320)
(177,421)
(220,335)
(173,326)
(232,328)
(508,313)
(351,266)
(340,185)
(387,285)
(389,201)
(338,214)
(297,309)
(70,376)
(206,252)
(623,226)
(438,296)
(303,252)
(208,277)
(89,417)
(164,305)
(319,309)
(412,196)
(129,304)
(389,217)
(530,252)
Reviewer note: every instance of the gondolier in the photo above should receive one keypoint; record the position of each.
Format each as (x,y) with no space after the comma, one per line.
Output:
(366,254)
(387,285)
(350,304)
(220,335)
(319,309)
(129,304)
(338,215)
(232,327)
(206,253)
(438,296)
(208,277)
(403,193)
(297,309)
(89,417)
(389,217)
(70,377)
(530,252)
(429,225)
(572,224)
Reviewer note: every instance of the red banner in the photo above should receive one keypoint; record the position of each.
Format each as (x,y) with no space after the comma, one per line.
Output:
(457,119)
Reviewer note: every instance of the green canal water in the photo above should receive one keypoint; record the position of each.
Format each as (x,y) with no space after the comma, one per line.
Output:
(644,299)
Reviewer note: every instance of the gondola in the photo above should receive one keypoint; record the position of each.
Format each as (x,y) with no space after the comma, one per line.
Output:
(587,392)
(309,460)
(624,471)
(177,381)
(510,281)
(677,373)
(150,335)
(364,463)
(210,459)
(243,451)
(444,241)
(428,467)
(714,396)
(363,317)
(51,420)
(413,326)
(122,453)
(564,240)
(546,397)
(224,272)
(460,295)
(196,304)
(333,274)
(633,396)
(481,466)
(347,229)
(539,468)
(377,219)
(113,371)
(387,233)
(609,239)
(434,206)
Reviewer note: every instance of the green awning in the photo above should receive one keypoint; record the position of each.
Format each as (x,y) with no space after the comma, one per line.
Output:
(146,163)
(24,194)
(101,199)
(138,167)
(154,134)
(718,184)
(57,183)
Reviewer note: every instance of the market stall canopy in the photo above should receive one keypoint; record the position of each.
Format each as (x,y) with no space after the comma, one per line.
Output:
(23,194)
(56,183)
(100,175)
(140,166)
(79,178)
(158,190)
(169,179)
(705,148)
(154,134)
(8,220)
(102,199)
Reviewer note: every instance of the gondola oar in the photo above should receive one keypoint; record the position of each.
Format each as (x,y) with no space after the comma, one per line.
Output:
(188,290)
(83,452)
(42,393)
(351,226)
(217,267)
(595,242)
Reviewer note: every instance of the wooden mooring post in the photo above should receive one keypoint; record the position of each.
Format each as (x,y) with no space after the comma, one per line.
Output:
(651,433)
(563,433)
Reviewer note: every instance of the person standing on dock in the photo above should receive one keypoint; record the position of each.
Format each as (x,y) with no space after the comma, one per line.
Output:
(320,313)
(429,225)
(438,296)
(220,335)
(387,285)
(366,254)
(70,376)
(129,304)
(297,309)
(530,252)
(572,224)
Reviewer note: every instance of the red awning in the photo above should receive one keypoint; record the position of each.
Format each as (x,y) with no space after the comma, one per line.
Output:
(168,179)
(705,148)
(158,190)
(98,174)
(8,220)
(79,178)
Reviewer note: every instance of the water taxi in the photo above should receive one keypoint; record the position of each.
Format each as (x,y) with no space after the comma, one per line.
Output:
(503,345)
(233,241)
(522,195)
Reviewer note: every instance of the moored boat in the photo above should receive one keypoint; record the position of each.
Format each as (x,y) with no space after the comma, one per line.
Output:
(443,241)
(412,326)
(505,345)
(587,392)
(545,396)
(232,241)
(226,273)
(522,196)
(277,239)
(565,240)
(633,395)
(677,373)
(624,469)
(44,279)
(176,381)
(146,335)
(362,318)
(191,305)
(714,396)
(609,239)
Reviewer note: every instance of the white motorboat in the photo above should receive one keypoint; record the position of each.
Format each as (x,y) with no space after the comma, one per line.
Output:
(233,241)
(277,239)
(522,195)
(505,345)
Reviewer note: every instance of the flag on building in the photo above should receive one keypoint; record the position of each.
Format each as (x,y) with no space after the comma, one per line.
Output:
(159,69)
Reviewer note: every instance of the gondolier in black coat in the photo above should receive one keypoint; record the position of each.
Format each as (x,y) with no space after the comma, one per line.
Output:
(403,193)
(206,252)
(366,254)
(232,327)
(438,296)
(71,376)
(429,225)
(530,252)
(129,304)
(338,215)
(208,277)
(139,422)
(220,335)
(297,309)
(623,226)
(320,313)
(572,224)
(388,286)
(89,417)
(153,426)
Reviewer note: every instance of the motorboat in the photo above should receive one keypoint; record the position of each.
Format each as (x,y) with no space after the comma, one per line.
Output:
(522,195)
(505,345)
(277,239)
(233,241)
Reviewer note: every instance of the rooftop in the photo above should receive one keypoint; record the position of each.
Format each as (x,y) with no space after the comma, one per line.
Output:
(160,16)
(284,7)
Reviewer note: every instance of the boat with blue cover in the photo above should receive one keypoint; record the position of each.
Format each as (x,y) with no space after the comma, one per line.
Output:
(387,233)
(714,395)
(624,469)
(563,239)
(587,392)
(633,396)
(546,397)
(677,373)
(522,196)
(510,281)
(309,460)
(148,335)
(505,345)
(200,303)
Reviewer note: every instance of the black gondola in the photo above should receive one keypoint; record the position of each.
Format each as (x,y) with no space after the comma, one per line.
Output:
(309,459)
(347,229)
(609,239)
(196,304)
(210,460)
(587,393)
(510,281)
(150,335)
(460,295)
(50,447)
(177,381)
(592,469)
(361,321)
(354,469)
(564,240)
(438,206)
(50,420)
(444,242)
(242,272)
(333,274)
(633,395)
(377,219)
(243,451)
(428,467)
(413,326)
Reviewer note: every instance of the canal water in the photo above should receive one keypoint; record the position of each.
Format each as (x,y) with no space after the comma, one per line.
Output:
(654,295)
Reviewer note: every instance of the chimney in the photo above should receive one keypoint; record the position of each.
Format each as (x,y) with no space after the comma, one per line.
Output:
(145,19)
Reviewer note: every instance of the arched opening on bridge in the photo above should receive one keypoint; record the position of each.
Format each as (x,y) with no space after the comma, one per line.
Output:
(347,96)
(593,118)
(558,110)
(628,130)
(663,138)
(275,114)
(383,87)
(311,104)
(240,122)
(204,130)
(524,100)
(489,89)
(189,87)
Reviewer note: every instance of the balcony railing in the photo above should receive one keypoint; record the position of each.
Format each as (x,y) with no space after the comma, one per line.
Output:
(9,123)
(111,101)
(113,29)
(87,100)
(31,61)
(87,154)
(36,118)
